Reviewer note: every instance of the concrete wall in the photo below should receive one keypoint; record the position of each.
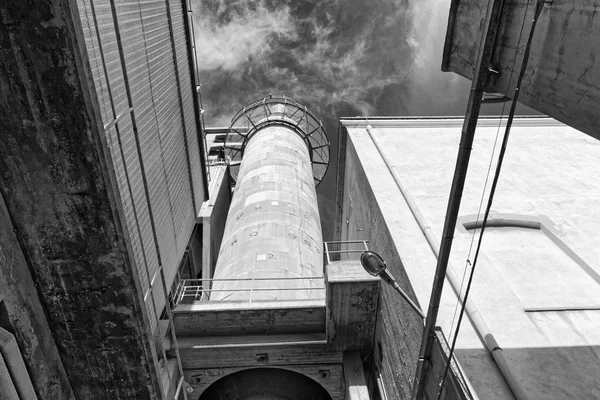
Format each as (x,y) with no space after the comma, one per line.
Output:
(536,289)
(399,328)
(562,79)
(61,190)
(213,216)
(219,217)
(25,317)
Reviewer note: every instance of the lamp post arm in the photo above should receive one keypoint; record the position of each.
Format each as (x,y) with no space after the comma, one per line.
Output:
(408,300)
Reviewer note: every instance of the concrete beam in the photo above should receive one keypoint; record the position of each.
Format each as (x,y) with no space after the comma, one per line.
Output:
(561,79)
(22,314)
(352,296)
(212,217)
(223,318)
(256,351)
(356,384)
(59,192)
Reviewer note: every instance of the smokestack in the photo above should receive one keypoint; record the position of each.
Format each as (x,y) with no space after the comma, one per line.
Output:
(278,152)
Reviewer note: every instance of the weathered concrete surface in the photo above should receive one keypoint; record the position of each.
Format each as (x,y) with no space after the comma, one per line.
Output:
(273,230)
(550,171)
(562,78)
(213,318)
(398,330)
(59,193)
(25,317)
(352,301)
(212,216)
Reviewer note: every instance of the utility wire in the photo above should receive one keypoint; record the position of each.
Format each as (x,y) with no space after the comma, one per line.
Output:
(511,114)
(487,176)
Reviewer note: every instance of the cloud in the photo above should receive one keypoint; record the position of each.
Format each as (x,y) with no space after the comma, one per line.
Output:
(234,34)
(434,92)
(339,57)
(325,52)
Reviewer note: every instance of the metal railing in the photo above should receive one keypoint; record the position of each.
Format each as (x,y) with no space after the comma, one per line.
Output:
(193,289)
(280,110)
(350,247)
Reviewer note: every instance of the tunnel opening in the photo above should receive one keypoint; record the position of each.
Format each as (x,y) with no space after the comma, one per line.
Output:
(265,384)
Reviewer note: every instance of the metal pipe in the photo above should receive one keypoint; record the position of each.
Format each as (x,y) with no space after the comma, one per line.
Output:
(455,280)
(188,21)
(411,303)
(480,77)
(16,366)
(381,387)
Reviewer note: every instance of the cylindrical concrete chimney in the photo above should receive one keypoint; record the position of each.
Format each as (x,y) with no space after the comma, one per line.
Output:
(272,244)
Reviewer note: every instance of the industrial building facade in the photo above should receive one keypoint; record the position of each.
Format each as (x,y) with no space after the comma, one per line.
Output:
(131,269)
(103,180)
(111,228)
(535,290)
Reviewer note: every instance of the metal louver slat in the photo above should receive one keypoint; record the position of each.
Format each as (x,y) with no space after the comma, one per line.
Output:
(156,162)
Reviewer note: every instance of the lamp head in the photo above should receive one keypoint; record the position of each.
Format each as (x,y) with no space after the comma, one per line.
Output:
(374,265)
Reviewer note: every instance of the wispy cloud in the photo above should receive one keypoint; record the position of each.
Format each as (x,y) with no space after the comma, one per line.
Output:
(230,35)
(339,57)
(438,93)
(324,52)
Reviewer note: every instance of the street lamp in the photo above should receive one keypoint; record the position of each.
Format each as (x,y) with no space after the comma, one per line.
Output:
(374,265)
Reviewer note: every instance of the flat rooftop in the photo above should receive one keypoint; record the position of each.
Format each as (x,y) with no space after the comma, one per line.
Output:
(537,284)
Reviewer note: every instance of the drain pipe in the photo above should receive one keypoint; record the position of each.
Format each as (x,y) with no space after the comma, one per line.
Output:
(9,350)
(6,383)
(472,311)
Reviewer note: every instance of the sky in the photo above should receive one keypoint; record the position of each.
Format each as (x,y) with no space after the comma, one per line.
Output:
(340,58)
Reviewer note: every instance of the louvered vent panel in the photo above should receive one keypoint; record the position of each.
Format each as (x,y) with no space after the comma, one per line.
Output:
(105,62)
(112,59)
(127,205)
(144,226)
(165,125)
(136,44)
(192,130)
(167,108)
(95,58)
(164,220)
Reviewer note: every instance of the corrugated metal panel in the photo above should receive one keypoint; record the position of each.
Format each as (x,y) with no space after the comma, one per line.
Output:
(154,148)
(95,58)
(106,61)
(170,127)
(185,76)
(143,102)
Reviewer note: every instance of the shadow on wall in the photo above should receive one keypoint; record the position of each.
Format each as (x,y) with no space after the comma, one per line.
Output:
(265,384)
(569,372)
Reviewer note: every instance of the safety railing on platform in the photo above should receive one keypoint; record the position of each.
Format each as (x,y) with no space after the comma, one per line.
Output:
(194,290)
(335,249)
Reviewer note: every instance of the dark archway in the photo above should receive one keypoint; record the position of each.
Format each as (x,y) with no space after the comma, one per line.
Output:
(265,384)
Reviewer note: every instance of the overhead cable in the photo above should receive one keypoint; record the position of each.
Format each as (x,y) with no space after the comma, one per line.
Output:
(538,10)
